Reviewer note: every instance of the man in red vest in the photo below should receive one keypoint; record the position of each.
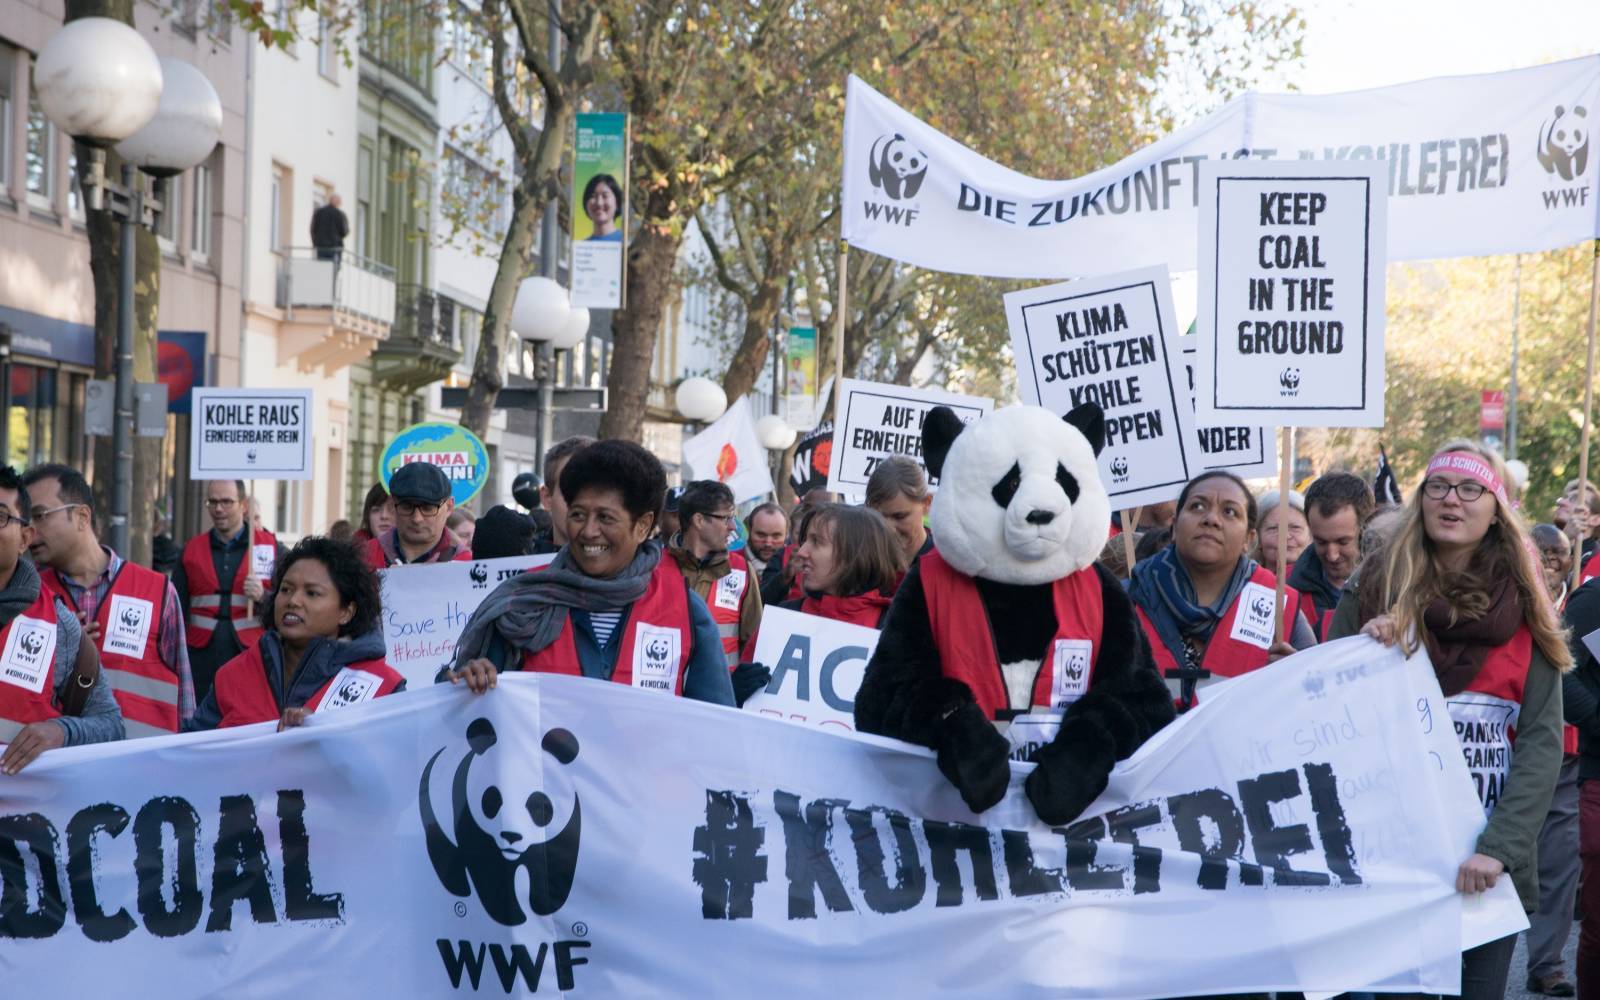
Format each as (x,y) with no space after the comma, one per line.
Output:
(130,612)
(423,501)
(51,692)
(220,580)
(721,578)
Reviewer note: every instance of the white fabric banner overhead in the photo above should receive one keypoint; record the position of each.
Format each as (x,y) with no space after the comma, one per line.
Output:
(1495,163)
(1300,830)
(425,607)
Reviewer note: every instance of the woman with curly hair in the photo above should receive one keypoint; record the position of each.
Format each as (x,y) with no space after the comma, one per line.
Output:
(323,649)
(1459,579)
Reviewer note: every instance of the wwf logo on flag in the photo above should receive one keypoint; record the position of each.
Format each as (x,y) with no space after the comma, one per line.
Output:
(501,824)
(1289,379)
(479,574)
(897,169)
(1563,145)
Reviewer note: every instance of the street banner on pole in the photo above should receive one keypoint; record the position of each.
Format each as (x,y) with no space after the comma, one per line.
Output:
(817,665)
(564,834)
(1244,450)
(879,420)
(1112,340)
(455,450)
(1496,163)
(600,230)
(1492,418)
(250,433)
(800,376)
(1291,294)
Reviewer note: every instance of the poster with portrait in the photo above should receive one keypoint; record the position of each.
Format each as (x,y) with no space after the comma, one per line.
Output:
(600,210)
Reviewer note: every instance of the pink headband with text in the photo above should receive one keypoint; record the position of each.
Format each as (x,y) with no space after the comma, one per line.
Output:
(1467,464)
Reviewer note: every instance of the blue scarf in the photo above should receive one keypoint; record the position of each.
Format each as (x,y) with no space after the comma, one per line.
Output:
(1162,587)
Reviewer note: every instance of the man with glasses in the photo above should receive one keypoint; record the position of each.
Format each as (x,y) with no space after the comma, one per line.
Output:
(131,613)
(51,693)
(722,579)
(222,619)
(423,501)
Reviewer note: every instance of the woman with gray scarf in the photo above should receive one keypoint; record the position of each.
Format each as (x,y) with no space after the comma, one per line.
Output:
(51,691)
(608,607)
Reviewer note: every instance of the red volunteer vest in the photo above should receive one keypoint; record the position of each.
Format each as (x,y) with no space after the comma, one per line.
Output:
(725,599)
(965,637)
(27,667)
(657,638)
(379,559)
(1243,636)
(205,591)
(129,617)
(244,696)
(866,610)
(1485,715)
(1591,569)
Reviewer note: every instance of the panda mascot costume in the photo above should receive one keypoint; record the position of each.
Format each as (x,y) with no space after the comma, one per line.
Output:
(1008,641)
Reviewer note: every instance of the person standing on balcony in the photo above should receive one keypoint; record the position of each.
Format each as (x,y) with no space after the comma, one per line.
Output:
(329,227)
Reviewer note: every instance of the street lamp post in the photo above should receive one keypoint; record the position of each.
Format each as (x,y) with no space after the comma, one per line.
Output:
(100,82)
(543,313)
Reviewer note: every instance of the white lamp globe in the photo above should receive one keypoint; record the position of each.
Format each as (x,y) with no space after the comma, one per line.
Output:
(186,127)
(1519,472)
(774,432)
(700,399)
(576,328)
(541,309)
(98,80)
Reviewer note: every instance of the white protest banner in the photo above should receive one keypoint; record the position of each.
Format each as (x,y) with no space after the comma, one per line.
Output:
(1246,451)
(730,452)
(1291,294)
(817,665)
(1473,165)
(879,420)
(568,835)
(426,606)
(1112,340)
(250,434)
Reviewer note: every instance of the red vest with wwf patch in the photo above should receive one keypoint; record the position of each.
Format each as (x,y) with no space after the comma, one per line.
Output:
(27,667)
(205,591)
(129,617)
(657,638)
(965,637)
(1485,715)
(244,696)
(725,599)
(1242,637)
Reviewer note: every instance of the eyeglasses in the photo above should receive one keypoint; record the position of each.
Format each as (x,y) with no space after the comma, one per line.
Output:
(6,517)
(40,515)
(405,508)
(223,502)
(724,518)
(1468,490)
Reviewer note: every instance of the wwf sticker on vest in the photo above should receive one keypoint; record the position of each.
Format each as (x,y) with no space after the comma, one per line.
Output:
(730,589)
(263,559)
(655,658)
(1253,622)
(1069,671)
(349,687)
(128,626)
(29,653)
(1486,727)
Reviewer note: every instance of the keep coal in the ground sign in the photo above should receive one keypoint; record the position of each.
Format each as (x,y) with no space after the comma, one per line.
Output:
(1112,340)
(1291,293)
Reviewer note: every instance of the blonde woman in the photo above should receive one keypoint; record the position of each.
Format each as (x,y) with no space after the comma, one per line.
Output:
(1458,577)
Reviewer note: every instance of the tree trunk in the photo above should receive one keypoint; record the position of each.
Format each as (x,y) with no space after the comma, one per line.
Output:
(488,364)
(651,259)
(750,358)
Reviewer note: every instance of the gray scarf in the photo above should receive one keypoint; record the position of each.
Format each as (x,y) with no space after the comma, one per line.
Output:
(529,609)
(22,591)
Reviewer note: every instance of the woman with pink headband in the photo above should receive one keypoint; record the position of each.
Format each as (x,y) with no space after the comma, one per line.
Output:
(1459,579)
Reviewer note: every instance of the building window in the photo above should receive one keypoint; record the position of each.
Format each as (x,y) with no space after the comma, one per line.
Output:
(327,48)
(200,228)
(363,197)
(476,195)
(32,421)
(282,209)
(41,157)
(8,58)
(74,189)
(171,209)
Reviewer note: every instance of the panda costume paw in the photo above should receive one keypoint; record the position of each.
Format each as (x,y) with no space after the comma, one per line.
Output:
(1010,612)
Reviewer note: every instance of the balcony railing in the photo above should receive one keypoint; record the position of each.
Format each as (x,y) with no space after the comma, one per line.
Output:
(348,283)
(423,314)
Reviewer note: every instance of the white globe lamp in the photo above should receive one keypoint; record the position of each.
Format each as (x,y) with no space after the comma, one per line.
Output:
(186,127)
(541,309)
(1519,472)
(700,399)
(98,80)
(575,329)
(774,432)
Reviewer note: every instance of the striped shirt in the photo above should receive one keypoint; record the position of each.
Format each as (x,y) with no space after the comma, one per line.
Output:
(604,623)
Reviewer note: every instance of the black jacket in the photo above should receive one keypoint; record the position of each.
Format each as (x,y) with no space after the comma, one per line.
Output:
(1580,689)
(329,227)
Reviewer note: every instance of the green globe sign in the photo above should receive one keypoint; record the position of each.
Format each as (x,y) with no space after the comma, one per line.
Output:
(454,449)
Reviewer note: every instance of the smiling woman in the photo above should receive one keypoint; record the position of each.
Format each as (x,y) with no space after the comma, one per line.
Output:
(322,650)
(1208,609)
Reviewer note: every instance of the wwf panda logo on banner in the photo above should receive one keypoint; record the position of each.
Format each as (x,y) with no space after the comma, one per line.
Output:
(479,574)
(896,167)
(501,827)
(1564,143)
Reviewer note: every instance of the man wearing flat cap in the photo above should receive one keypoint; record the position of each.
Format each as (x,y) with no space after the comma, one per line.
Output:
(422,503)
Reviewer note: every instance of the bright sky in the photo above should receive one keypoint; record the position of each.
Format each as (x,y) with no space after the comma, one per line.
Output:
(1354,44)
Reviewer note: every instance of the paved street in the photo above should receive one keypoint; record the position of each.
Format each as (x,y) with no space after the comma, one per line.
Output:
(1515,988)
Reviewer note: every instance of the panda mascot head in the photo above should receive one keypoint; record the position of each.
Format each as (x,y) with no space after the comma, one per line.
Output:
(1020,498)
